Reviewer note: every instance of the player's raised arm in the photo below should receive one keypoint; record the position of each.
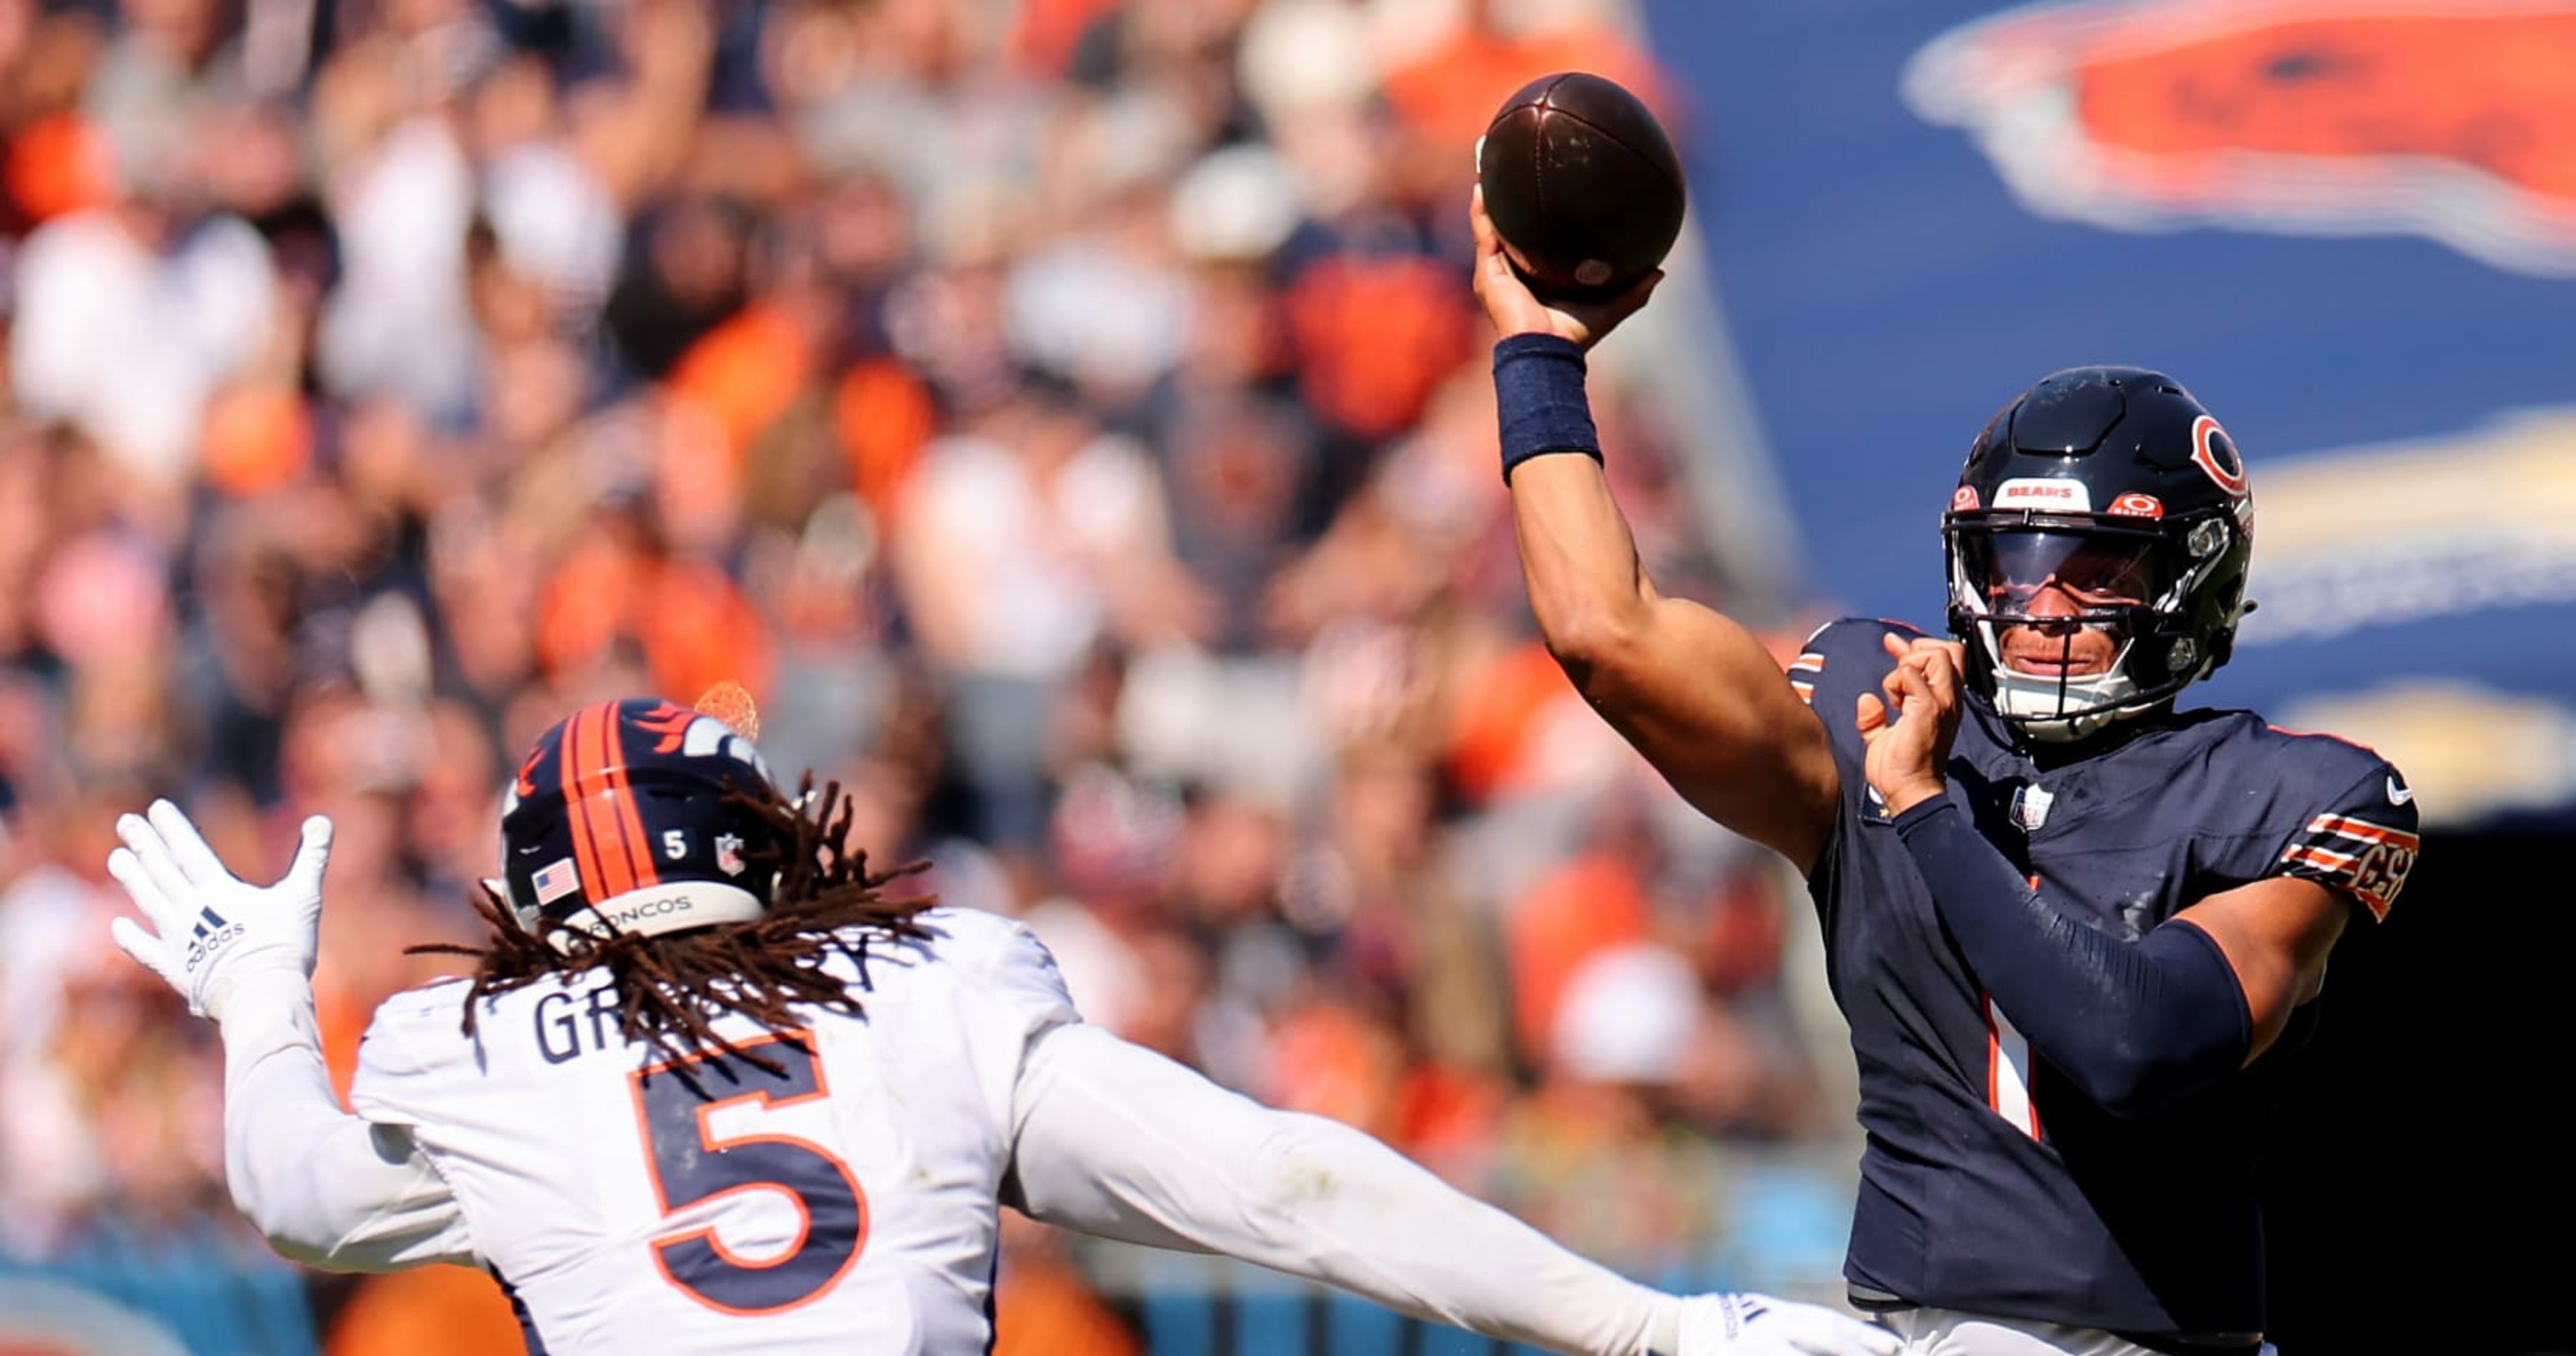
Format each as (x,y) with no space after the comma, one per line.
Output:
(325,1187)
(1693,690)
(1115,1140)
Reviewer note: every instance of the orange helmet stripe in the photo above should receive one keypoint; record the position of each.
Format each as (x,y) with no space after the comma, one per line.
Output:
(602,862)
(629,823)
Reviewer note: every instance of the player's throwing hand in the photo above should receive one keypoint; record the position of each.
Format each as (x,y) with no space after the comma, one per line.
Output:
(212,932)
(1759,1325)
(1515,309)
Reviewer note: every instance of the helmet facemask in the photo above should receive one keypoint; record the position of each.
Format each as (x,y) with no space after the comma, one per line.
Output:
(2074,622)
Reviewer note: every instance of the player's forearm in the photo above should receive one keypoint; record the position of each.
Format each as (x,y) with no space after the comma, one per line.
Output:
(2134,1024)
(1117,1141)
(1578,556)
(325,1187)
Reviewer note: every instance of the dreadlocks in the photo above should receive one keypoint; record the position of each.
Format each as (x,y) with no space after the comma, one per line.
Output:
(668,986)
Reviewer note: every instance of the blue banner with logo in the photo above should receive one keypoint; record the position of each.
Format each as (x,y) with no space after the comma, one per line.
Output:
(2347,226)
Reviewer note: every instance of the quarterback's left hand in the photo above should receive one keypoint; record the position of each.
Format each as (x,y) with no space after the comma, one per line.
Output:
(1760,1325)
(211,931)
(1909,725)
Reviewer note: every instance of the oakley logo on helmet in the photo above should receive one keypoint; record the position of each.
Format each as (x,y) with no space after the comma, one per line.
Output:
(1963,499)
(2136,505)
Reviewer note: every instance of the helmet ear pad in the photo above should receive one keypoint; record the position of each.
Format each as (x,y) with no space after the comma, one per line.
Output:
(638,817)
(2115,451)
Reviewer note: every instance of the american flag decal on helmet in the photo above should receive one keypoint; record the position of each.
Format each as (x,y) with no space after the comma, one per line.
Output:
(554,881)
(2365,860)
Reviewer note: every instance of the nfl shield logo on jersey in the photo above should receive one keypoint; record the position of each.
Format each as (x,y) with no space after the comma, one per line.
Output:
(2030,808)
(729,853)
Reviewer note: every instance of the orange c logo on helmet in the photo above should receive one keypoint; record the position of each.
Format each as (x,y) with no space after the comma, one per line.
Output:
(2214,452)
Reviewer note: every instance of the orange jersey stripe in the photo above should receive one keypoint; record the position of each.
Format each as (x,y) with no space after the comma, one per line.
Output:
(2364,830)
(2324,859)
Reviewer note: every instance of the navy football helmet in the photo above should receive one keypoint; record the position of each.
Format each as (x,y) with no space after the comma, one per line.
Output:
(2113,490)
(625,817)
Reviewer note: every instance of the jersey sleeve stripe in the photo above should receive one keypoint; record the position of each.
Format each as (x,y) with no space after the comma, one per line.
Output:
(2348,827)
(2367,861)
(2323,859)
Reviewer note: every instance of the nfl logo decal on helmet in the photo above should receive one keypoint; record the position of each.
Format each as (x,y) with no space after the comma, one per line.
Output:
(632,817)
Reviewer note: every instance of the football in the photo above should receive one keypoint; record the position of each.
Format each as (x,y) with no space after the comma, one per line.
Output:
(1582,184)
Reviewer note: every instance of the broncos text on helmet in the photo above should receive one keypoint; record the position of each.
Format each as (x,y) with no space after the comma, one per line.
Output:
(628,817)
(2112,492)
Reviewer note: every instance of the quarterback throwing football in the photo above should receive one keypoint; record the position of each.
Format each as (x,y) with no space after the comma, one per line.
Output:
(2077,931)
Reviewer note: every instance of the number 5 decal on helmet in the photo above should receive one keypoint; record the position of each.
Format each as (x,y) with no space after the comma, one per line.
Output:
(691,1164)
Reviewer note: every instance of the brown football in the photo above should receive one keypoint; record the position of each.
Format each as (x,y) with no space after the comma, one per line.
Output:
(1582,183)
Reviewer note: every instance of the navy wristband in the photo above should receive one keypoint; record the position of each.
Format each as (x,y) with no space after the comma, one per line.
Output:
(1539,399)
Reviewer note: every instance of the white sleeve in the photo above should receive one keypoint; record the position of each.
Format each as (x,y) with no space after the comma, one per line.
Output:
(329,1189)
(1115,1140)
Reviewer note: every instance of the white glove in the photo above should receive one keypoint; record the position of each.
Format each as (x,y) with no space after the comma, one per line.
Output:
(211,932)
(1760,1325)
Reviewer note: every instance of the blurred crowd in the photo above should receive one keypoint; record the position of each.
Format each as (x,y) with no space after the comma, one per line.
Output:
(1068,419)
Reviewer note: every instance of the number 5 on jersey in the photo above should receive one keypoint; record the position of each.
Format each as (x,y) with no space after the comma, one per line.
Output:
(692,1164)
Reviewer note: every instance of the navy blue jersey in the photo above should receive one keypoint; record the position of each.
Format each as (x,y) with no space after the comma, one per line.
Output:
(1988,1184)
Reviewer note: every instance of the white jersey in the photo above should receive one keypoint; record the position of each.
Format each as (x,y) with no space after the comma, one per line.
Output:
(847,1204)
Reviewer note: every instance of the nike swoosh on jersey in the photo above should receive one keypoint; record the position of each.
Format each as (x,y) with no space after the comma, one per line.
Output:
(2399,795)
